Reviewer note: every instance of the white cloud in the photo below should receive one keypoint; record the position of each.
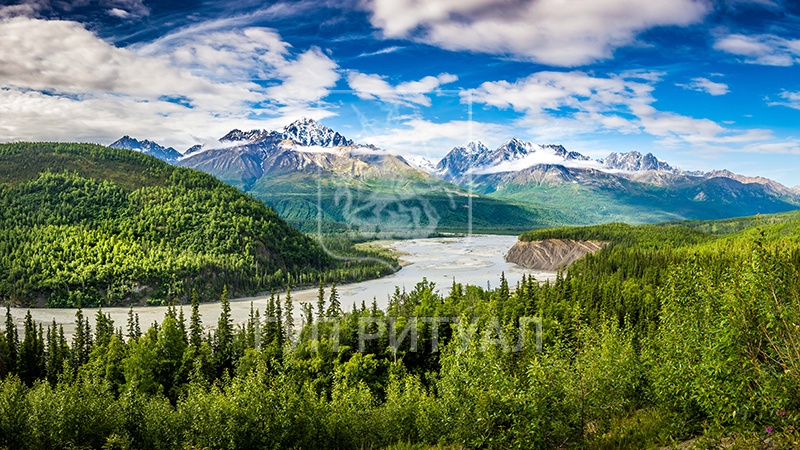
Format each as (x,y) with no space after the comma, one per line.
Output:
(707,86)
(64,58)
(418,136)
(546,31)
(121,13)
(790,100)
(540,156)
(567,104)
(764,49)
(61,82)
(375,87)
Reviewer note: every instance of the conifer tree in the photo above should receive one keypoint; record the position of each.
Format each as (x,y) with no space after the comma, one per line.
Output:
(80,342)
(131,325)
(182,325)
(279,322)
(12,341)
(195,323)
(321,301)
(224,337)
(30,360)
(335,307)
(288,321)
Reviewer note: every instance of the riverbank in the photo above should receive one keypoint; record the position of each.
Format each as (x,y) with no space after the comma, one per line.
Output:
(477,259)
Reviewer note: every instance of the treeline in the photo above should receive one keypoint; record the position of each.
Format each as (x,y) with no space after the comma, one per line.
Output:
(140,229)
(641,346)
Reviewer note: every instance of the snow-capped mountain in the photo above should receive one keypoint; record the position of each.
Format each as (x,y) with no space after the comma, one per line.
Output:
(422,163)
(147,147)
(305,131)
(475,159)
(289,168)
(252,136)
(636,162)
(460,160)
(311,133)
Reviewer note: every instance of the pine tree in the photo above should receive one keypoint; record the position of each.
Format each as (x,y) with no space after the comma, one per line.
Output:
(80,343)
(321,301)
(251,328)
(30,360)
(12,341)
(4,356)
(182,325)
(224,337)
(288,321)
(103,328)
(335,307)
(503,294)
(195,323)
(308,314)
(131,325)
(279,322)
(55,353)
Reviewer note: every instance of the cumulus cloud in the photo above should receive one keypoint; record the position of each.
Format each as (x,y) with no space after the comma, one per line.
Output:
(60,81)
(375,87)
(545,31)
(707,86)
(580,103)
(62,9)
(764,49)
(251,54)
(789,99)
(419,136)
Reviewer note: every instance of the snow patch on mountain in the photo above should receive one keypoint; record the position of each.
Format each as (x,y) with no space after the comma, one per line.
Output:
(539,157)
(147,147)
(421,163)
(636,162)
(308,132)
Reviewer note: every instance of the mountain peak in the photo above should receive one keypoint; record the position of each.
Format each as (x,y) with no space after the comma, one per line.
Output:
(147,147)
(252,136)
(309,132)
(474,148)
(636,162)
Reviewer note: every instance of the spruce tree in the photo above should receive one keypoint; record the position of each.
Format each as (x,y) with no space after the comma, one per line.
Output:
(12,341)
(182,325)
(29,363)
(79,342)
(279,322)
(224,337)
(335,307)
(288,320)
(321,301)
(131,325)
(195,323)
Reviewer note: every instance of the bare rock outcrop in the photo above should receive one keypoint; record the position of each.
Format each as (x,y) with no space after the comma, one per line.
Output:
(551,254)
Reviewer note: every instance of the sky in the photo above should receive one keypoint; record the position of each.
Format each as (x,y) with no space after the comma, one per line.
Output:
(701,84)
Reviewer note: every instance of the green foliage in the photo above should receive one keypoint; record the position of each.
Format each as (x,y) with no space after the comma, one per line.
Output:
(667,334)
(85,225)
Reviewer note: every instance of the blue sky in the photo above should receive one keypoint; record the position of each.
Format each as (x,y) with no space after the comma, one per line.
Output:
(701,84)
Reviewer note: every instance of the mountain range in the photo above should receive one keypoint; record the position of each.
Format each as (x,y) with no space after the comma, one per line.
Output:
(308,171)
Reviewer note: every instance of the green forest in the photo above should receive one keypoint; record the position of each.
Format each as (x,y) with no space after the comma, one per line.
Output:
(673,334)
(87,225)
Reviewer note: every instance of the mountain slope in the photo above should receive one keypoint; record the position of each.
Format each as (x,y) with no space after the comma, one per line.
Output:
(308,166)
(628,187)
(84,224)
(146,147)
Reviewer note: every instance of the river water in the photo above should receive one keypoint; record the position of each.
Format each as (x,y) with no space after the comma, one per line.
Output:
(477,260)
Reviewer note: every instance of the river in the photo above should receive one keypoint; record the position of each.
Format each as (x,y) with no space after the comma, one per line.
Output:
(477,260)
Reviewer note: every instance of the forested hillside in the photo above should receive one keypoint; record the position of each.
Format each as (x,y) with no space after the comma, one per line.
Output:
(669,335)
(88,225)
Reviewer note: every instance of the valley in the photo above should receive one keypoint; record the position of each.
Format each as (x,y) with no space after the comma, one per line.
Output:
(310,173)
